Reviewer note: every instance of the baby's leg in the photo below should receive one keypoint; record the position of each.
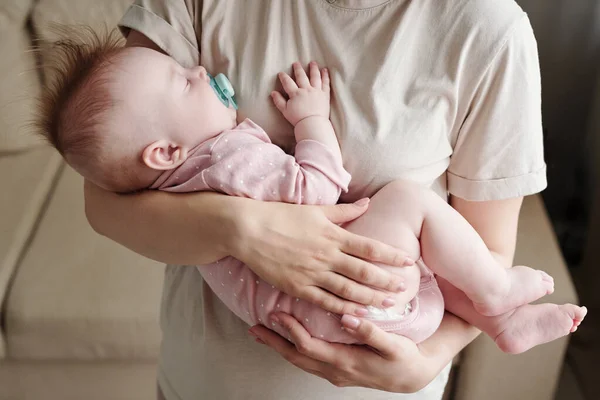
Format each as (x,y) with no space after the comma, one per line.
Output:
(520,329)
(394,220)
(452,248)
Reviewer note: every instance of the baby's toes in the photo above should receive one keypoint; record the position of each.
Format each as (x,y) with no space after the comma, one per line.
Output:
(577,314)
(580,314)
(548,282)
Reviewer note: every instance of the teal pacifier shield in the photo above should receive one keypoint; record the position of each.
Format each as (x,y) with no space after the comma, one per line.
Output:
(223,89)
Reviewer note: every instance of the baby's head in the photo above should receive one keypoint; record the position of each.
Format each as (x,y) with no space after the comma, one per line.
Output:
(121,116)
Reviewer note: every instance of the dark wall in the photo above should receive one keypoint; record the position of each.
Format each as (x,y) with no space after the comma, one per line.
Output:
(568,35)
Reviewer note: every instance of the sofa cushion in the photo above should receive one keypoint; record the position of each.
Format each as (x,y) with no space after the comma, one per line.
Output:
(27,178)
(98,14)
(77,295)
(19,86)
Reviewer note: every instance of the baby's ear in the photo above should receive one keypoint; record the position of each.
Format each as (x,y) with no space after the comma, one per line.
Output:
(163,155)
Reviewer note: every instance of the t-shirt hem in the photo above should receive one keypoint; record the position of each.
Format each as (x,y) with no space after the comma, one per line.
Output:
(160,32)
(497,189)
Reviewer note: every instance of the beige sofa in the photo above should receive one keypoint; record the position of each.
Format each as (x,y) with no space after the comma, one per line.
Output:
(78,313)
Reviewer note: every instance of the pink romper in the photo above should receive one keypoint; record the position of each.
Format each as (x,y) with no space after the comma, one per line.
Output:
(243,162)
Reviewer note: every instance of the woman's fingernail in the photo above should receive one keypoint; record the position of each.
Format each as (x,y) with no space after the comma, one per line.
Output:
(409,261)
(362,202)
(389,302)
(401,287)
(361,311)
(350,321)
(275,319)
(259,340)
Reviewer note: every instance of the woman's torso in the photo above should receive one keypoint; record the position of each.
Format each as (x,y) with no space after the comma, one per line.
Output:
(402,80)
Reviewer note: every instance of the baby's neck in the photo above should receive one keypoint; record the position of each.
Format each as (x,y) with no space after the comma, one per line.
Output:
(149,176)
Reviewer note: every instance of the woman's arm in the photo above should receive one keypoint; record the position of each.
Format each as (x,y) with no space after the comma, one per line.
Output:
(396,364)
(181,229)
(495,221)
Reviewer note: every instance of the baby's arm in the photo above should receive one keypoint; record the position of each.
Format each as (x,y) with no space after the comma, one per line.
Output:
(246,164)
(308,106)
(253,167)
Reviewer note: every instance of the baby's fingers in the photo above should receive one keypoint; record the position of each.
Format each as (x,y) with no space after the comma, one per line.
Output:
(279,101)
(300,74)
(315,75)
(325,79)
(288,83)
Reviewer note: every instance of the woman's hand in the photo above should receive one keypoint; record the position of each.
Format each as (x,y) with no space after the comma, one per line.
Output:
(300,250)
(389,362)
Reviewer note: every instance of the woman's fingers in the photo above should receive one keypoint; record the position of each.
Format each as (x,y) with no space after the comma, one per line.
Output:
(368,333)
(300,75)
(289,86)
(287,349)
(360,246)
(367,274)
(330,302)
(348,289)
(373,250)
(312,348)
(315,75)
(342,213)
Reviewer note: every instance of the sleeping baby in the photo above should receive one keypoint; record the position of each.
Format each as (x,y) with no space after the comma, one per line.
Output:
(130,119)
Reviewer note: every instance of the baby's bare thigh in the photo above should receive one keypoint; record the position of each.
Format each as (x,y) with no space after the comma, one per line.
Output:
(395,217)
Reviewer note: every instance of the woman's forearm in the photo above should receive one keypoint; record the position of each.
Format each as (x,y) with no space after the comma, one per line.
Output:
(183,229)
(451,337)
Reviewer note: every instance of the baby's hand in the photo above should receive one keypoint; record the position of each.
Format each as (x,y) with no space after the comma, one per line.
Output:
(307,98)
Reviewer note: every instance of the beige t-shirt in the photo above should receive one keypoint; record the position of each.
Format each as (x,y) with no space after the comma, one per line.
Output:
(443,92)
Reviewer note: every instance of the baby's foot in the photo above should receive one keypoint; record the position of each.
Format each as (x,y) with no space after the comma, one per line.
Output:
(531,325)
(525,285)
(578,318)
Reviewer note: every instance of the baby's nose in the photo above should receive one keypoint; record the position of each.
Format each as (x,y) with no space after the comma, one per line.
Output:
(200,72)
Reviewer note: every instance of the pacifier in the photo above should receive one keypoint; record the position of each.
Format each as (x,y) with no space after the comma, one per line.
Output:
(223,90)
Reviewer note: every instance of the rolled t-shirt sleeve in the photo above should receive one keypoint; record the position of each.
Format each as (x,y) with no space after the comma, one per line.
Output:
(170,24)
(498,153)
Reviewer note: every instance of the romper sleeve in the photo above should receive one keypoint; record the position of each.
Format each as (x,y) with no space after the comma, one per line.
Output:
(174,25)
(265,172)
(498,153)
